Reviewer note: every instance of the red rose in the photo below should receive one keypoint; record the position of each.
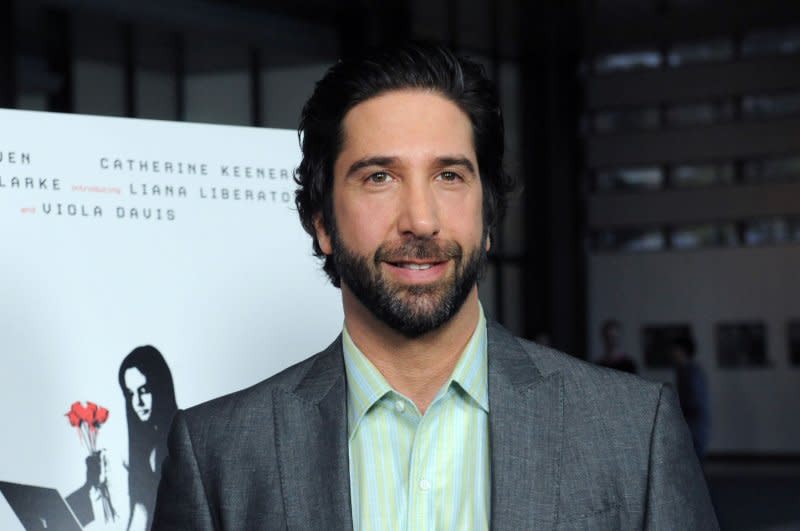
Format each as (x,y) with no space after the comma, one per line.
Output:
(82,412)
(92,414)
(74,420)
(79,411)
(102,416)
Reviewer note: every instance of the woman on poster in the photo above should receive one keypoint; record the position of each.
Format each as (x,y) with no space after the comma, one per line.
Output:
(146,383)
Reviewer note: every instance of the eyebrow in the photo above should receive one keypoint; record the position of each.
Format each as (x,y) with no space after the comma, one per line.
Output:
(457,161)
(391,161)
(370,161)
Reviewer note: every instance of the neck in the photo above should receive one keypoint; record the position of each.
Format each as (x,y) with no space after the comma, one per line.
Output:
(416,367)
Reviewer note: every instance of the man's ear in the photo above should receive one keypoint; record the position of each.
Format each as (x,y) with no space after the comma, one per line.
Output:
(488,242)
(323,237)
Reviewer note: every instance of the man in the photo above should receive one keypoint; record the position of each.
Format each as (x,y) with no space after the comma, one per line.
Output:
(692,386)
(613,355)
(423,415)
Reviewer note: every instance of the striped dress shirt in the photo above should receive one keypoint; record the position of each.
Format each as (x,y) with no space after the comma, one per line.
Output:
(419,472)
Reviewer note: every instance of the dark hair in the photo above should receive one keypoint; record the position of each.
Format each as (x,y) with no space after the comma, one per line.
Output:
(144,436)
(687,345)
(608,324)
(411,66)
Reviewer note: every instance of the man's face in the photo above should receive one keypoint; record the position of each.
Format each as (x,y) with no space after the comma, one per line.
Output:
(409,241)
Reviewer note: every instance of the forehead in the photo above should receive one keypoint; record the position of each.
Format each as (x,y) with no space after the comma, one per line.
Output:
(134,378)
(412,123)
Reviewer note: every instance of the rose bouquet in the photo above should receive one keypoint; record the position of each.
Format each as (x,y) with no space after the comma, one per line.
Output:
(87,420)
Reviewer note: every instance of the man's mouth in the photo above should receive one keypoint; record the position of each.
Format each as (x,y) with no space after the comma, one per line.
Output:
(415,266)
(416,271)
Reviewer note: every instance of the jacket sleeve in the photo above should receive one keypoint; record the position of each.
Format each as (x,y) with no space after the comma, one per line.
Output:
(182,502)
(677,496)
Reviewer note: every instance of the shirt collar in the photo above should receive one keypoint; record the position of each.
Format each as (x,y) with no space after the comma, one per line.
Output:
(471,371)
(366,385)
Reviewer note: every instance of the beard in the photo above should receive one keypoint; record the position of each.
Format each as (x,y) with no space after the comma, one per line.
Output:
(411,310)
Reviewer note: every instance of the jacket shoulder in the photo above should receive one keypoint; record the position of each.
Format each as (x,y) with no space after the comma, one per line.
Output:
(251,404)
(592,381)
(602,404)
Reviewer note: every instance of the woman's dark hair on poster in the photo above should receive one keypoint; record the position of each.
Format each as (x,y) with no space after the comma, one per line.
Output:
(146,436)
(149,361)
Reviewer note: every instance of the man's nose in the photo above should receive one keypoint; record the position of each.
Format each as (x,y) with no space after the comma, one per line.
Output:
(419,212)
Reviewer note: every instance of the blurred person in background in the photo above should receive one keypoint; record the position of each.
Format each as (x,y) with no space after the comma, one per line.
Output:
(613,356)
(692,387)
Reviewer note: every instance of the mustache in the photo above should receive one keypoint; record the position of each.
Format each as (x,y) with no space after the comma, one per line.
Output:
(419,249)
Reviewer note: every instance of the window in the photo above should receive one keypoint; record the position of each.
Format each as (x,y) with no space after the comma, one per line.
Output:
(699,52)
(701,113)
(624,61)
(690,114)
(626,119)
(766,231)
(641,178)
(771,105)
(771,42)
(695,175)
(706,235)
(741,344)
(772,170)
(630,239)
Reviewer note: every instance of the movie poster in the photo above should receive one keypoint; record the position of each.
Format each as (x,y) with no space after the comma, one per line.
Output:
(146,266)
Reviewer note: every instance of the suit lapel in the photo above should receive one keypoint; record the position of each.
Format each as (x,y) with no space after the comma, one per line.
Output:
(311,441)
(525,430)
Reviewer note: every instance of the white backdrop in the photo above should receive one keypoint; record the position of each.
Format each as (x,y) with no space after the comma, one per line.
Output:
(225,289)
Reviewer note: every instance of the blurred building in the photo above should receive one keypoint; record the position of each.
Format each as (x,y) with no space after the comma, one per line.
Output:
(692,136)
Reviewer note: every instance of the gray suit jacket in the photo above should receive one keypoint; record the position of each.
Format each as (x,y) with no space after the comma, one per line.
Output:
(574,446)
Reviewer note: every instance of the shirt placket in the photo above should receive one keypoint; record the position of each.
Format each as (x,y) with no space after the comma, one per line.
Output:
(422,484)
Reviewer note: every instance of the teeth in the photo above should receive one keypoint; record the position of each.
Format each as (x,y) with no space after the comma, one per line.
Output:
(416,267)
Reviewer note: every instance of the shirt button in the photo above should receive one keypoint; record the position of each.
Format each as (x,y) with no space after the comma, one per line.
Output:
(424,484)
(400,406)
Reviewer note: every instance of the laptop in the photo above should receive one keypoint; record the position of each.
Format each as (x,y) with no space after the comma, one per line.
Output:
(39,508)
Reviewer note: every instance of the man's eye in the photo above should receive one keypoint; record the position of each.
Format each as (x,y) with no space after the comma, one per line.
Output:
(379,177)
(449,176)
